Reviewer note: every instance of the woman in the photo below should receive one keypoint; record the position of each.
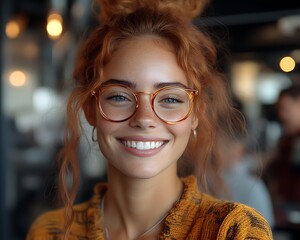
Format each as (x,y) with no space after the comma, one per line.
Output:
(283,169)
(146,82)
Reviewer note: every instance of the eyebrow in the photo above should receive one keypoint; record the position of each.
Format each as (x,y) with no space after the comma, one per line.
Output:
(118,81)
(173,84)
(133,85)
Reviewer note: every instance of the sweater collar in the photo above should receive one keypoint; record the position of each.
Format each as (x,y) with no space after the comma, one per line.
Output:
(183,212)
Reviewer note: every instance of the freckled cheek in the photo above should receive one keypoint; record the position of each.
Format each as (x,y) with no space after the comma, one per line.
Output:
(181,132)
(106,138)
(106,129)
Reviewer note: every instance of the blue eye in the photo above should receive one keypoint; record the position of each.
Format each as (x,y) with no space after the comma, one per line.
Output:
(171,100)
(118,98)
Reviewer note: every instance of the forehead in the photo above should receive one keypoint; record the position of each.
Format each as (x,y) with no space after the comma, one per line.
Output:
(143,60)
(146,41)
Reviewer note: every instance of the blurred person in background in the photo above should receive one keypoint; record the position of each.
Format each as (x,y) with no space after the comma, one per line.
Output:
(283,171)
(241,173)
(146,80)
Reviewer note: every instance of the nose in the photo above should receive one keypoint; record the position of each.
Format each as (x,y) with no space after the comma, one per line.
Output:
(144,116)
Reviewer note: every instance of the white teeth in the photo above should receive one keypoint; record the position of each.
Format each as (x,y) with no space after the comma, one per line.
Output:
(143,145)
(140,145)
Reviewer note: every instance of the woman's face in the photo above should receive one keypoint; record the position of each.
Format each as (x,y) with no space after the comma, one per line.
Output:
(145,64)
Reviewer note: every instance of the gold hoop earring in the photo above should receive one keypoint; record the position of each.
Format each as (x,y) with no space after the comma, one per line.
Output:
(194,133)
(94,137)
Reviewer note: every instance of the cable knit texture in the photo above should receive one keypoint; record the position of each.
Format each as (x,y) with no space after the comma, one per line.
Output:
(195,216)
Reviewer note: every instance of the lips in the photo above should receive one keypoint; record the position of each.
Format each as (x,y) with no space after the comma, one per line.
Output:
(142,145)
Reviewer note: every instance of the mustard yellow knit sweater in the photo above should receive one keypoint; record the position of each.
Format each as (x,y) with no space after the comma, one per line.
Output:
(195,216)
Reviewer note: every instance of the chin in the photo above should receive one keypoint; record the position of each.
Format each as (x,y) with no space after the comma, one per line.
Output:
(143,173)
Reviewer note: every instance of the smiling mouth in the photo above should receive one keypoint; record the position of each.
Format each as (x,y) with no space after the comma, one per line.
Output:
(141,145)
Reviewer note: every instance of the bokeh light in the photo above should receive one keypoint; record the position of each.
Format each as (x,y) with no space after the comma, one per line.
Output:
(287,64)
(12,29)
(17,78)
(54,25)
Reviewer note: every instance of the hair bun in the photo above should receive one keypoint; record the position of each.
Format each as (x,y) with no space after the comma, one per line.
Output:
(185,9)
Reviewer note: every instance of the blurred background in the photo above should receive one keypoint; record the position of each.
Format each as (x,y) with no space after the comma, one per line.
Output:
(260,53)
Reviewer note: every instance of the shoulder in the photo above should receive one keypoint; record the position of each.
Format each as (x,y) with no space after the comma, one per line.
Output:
(234,220)
(50,225)
(244,222)
(200,216)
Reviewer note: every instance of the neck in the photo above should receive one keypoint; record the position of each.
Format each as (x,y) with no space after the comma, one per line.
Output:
(128,201)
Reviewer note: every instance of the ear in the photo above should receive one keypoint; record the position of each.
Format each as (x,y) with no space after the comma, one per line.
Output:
(89,109)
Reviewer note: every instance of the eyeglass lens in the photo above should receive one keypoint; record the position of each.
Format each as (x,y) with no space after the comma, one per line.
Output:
(118,103)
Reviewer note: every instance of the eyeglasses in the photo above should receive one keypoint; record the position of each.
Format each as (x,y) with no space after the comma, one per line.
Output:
(118,103)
